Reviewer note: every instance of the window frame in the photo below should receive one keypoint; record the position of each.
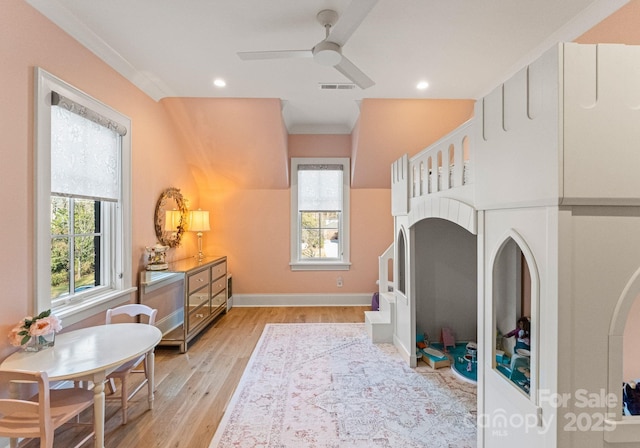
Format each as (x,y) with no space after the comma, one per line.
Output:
(119,287)
(343,262)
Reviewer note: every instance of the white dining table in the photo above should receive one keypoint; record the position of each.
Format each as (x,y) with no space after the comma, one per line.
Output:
(90,354)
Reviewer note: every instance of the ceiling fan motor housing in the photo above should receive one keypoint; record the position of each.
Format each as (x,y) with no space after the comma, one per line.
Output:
(327,53)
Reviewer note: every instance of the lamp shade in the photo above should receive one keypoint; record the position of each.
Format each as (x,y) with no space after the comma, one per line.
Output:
(199,221)
(172,220)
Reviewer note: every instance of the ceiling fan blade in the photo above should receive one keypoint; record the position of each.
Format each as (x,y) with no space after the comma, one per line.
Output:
(350,20)
(346,67)
(283,54)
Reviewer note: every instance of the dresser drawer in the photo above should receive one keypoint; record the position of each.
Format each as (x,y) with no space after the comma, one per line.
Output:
(198,280)
(197,299)
(198,316)
(218,285)
(219,270)
(219,300)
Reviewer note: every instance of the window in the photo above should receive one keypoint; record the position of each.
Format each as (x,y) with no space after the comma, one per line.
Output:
(83,229)
(320,214)
(76,246)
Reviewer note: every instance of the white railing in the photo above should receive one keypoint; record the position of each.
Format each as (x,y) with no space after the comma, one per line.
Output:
(444,165)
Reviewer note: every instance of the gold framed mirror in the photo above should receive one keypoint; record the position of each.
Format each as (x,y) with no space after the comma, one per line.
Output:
(170,217)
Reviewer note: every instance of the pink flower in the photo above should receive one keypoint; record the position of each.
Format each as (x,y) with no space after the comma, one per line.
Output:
(40,325)
(44,326)
(14,338)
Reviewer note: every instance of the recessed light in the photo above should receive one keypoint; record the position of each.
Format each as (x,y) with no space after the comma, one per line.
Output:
(422,85)
(219,82)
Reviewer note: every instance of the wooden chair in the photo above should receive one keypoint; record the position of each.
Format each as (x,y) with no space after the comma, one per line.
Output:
(40,415)
(123,372)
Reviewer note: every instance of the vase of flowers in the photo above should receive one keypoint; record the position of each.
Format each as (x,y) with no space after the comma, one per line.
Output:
(35,333)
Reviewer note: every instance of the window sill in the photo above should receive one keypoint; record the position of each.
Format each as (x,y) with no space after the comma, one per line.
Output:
(320,266)
(75,312)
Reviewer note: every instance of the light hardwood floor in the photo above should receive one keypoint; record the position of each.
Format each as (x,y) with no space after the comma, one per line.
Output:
(192,389)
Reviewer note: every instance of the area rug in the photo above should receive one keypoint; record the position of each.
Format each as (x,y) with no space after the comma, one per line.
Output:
(328,386)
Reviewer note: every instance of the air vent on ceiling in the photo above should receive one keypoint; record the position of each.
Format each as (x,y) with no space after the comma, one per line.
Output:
(337,86)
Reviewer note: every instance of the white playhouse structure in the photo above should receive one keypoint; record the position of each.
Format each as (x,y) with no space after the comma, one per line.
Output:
(532,208)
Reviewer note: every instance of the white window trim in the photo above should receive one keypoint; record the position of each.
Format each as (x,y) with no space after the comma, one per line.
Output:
(123,288)
(316,265)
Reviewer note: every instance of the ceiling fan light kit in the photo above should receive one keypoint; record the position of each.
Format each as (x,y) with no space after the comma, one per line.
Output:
(328,52)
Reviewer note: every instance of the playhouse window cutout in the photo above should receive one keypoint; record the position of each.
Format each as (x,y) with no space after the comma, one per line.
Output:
(623,363)
(631,362)
(402,282)
(439,170)
(452,165)
(465,158)
(512,317)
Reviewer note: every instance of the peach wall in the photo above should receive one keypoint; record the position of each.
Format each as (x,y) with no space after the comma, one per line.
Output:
(389,128)
(621,27)
(27,40)
(251,227)
(320,145)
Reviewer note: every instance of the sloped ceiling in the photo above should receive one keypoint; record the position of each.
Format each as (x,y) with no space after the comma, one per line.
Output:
(233,141)
(243,142)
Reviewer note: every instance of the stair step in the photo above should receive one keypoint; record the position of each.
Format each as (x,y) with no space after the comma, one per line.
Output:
(376,317)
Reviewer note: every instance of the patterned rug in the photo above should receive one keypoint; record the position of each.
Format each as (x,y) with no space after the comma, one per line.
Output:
(328,386)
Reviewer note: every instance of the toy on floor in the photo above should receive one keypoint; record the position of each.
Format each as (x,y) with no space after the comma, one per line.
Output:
(447,338)
(433,357)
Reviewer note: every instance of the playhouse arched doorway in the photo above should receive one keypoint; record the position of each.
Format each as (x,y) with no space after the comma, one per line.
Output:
(445,285)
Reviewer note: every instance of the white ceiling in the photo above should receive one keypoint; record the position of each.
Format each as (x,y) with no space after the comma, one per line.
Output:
(463,48)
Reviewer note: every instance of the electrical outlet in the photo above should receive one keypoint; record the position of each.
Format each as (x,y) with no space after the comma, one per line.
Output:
(339,282)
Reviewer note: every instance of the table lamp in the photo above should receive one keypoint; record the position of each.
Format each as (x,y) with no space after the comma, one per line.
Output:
(199,222)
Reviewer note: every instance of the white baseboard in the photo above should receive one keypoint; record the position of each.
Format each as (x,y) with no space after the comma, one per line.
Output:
(355,299)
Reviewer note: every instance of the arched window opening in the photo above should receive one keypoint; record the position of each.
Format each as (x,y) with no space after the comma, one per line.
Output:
(390,272)
(429,174)
(452,164)
(514,316)
(631,361)
(439,170)
(465,157)
(624,363)
(402,282)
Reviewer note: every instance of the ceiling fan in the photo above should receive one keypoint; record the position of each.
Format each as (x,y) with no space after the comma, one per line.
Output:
(329,51)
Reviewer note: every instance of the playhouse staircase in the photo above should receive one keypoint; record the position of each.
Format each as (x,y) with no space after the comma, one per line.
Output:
(380,324)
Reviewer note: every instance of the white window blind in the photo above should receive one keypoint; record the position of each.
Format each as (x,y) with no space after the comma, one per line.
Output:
(319,187)
(84,157)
